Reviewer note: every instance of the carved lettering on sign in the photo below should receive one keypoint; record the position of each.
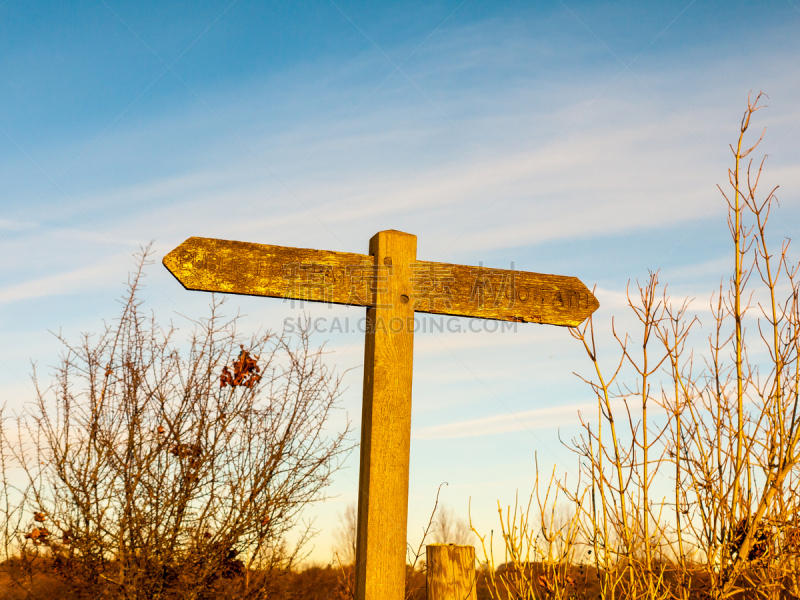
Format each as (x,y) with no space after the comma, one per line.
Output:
(498,289)
(353,279)
(359,277)
(431,286)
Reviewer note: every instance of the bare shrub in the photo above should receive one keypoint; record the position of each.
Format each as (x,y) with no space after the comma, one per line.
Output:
(155,471)
(541,543)
(691,468)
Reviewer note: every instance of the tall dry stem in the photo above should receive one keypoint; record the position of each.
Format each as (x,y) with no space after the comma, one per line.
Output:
(692,467)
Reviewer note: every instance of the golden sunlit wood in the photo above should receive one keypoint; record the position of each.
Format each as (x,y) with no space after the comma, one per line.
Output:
(392,284)
(451,572)
(344,278)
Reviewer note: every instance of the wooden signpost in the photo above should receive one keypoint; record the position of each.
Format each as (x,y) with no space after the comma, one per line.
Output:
(392,284)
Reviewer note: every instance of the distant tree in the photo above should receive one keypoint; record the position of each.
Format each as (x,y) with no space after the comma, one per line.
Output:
(450,529)
(154,470)
(344,536)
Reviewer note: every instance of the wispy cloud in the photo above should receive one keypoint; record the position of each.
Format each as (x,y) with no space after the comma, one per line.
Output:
(17,225)
(541,418)
(551,417)
(103,273)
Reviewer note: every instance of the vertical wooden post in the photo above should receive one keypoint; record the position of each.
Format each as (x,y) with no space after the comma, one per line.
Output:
(386,422)
(451,572)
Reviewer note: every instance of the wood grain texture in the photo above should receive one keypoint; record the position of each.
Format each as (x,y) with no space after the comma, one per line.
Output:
(213,265)
(392,284)
(501,294)
(451,572)
(386,422)
(344,278)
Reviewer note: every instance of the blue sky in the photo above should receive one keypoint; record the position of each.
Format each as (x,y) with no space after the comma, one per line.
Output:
(579,138)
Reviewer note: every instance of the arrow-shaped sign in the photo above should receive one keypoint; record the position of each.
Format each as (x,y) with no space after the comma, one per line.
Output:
(392,284)
(214,265)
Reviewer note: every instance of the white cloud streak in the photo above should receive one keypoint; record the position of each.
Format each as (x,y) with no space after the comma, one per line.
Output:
(102,274)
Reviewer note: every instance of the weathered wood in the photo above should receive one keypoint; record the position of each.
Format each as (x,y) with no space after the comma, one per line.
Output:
(392,284)
(213,265)
(451,572)
(344,278)
(501,294)
(386,422)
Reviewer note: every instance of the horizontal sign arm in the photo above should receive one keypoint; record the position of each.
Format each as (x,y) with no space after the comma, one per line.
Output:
(213,265)
(501,294)
(351,279)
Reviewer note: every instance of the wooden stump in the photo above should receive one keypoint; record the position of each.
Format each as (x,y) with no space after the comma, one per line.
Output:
(451,572)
